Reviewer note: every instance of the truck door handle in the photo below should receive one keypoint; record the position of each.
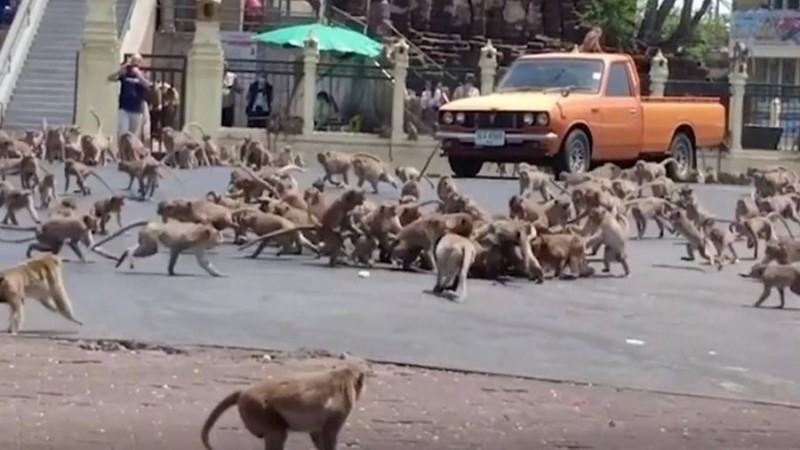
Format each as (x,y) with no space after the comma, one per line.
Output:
(595,110)
(633,111)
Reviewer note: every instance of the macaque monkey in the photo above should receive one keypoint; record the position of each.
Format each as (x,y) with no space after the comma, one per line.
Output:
(317,403)
(372,170)
(591,42)
(454,256)
(775,276)
(14,201)
(58,230)
(335,163)
(103,209)
(177,237)
(80,172)
(47,191)
(612,235)
(757,227)
(696,240)
(39,278)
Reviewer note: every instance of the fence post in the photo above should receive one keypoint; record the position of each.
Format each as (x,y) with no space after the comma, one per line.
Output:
(400,72)
(775,113)
(738,80)
(310,62)
(659,74)
(488,66)
(204,73)
(97,59)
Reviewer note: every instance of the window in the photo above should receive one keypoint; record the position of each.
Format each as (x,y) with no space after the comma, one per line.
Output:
(773,70)
(793,4)
(619,83)
(787,71)
(537,74)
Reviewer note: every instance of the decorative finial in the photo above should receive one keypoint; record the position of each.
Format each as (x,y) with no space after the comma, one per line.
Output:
(659,59)
(488,50)
(400,48)
(311,42)
(576,49)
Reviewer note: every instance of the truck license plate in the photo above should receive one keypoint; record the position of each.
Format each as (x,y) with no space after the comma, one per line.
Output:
(490,138)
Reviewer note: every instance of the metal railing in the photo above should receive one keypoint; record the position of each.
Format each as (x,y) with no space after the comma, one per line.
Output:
(16,45)
(774,106)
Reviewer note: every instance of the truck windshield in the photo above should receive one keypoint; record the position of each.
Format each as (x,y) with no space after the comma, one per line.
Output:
(540,74)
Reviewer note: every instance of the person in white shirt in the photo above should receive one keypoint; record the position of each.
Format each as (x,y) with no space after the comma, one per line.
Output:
(467,89)
(431,100)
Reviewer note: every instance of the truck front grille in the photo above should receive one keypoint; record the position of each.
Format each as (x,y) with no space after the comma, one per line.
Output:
(496,120)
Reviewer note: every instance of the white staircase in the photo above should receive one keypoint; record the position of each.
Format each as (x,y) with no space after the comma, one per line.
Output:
(46,86)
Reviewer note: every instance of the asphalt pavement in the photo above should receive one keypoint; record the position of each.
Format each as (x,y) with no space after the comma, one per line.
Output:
(672,325)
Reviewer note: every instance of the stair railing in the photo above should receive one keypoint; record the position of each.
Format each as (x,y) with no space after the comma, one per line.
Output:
(16,46)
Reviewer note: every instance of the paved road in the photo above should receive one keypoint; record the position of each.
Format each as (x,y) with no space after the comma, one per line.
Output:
(699,334)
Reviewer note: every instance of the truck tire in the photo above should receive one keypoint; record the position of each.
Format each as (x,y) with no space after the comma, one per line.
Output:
(465,167)
(575,155)
(682,150)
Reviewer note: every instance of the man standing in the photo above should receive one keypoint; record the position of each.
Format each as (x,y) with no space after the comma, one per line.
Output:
(230,88)
(133,87)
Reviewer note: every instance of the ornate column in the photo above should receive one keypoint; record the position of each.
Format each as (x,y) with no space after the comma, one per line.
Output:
(204,70)
(310,62)
(97,59)
(659,74)
(738,79)
(488,66)
(400,72)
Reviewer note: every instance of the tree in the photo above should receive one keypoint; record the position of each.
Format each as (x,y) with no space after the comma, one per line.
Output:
(649,24)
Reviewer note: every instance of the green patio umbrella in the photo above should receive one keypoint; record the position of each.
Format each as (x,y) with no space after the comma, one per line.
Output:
(330,38)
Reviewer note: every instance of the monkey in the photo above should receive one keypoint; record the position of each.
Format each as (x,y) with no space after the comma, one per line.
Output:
(771,181)
(80,171)
(782,250)
(96,148)
(262,223)
(287,157)
(646,172)
(550,213)
(695,238)
(48,194)
(131,148)
(785,205)
(104,208)
(777,276)
(407,173)
(335,163)
(559,249)
(177,237)
(317,403)
(611,235)
(446,187)
(40,278)
(66,208)
(722,239)
(209,154)
(649,208)
(59,229)
(375,227)
(29,171)
(54,143)
(330,227)
(254,153)
(530,178)
(419,237)
(372,170)
(745,207)
(454,256)
(146,171)
(754,228)
(15,200)
(591,42)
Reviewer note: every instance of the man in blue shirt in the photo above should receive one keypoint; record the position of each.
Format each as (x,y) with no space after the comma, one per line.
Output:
(133,88)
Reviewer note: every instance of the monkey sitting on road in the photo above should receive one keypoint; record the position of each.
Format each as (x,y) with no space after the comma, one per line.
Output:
(178,237)
(454,256)
(778,276)
(317,403)
(39,278)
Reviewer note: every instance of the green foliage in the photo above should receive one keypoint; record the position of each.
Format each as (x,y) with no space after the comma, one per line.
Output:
(620,20)
(617,18)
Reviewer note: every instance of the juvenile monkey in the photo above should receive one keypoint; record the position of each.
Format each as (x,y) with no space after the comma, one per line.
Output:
(317,403)
(48,194)
(454,256)
(80,172)
(335,163)
(722,239)
(40,278)
(103,209)
(612,235)
(14,201)
(177,237)
(531,179)
(697,241)
(777,276)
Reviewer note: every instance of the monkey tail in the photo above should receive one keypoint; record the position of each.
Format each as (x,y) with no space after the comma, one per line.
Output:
(669,161)
(290,168)
(18,241)
(215,414)
(368,156)
(276,234)
(102,181)
(96,119)
(196,126)
(258,179)
(784,222)
(119,232)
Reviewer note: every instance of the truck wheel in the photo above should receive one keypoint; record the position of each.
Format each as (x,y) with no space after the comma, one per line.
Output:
(575,155)
(466,168)
(682,150)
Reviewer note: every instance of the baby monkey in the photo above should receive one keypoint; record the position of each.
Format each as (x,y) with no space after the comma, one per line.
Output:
(103,209)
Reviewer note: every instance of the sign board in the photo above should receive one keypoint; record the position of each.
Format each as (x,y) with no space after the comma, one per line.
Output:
(239,49)
(766,27)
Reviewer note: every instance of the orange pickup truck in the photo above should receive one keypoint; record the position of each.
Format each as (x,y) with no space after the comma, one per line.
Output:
(572,110)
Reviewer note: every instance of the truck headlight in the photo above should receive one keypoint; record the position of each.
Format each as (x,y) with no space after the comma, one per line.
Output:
(528,119)
(542,119)
(447,118)
(460,118)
